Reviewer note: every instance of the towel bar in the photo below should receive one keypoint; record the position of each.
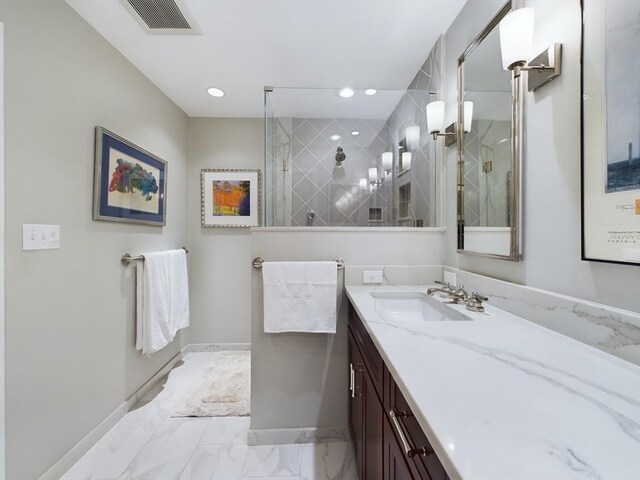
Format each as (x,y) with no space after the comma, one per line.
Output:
(258,261)
(126,259)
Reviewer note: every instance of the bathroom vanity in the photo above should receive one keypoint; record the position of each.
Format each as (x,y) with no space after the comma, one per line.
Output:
(388,441)
(438,392)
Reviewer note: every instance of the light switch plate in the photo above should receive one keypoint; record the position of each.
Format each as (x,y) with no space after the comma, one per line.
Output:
(40,237)
(371,276)
(450,278)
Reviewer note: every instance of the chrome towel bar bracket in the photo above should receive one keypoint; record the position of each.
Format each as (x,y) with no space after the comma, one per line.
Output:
(126,259)
(258,261)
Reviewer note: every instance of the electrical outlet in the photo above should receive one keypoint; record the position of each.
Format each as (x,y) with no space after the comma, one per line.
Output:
(450,278)
(372,276)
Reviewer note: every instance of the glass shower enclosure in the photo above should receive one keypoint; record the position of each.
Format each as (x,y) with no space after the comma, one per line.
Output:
(362,161)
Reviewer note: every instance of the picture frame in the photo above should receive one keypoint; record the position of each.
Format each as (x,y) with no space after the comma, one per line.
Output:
(230,198)
(610,167)
(129,182)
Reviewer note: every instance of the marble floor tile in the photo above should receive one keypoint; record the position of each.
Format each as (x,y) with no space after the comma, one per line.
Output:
(272,461)
(216,462)
(111,455)
(147,444)
(328,461)
(226,430)
(167,453)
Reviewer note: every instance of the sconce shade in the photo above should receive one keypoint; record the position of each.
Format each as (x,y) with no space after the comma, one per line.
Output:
(516,37)
(412,134)
(468,116)
(373,174)
(406,160)
(435,116)
(363,184)
(387,161)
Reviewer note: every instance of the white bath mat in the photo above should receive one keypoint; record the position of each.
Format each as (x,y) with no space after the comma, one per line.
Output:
(225,390)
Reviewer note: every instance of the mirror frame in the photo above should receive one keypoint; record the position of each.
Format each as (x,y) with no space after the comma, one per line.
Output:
(518,90)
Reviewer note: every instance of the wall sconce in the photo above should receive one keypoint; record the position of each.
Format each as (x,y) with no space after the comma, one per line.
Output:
(435,121)
(412,135)
(387,161)
(406,161)
(373,175)
(363,184)
(516,42)
(468,116)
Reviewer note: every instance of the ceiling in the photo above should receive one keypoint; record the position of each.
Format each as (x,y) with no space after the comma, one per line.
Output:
(244,45)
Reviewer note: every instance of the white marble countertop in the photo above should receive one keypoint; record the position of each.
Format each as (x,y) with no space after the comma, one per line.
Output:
(500,397)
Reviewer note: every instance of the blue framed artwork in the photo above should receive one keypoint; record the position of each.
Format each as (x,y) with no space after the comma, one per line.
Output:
(611,131)
(130,182)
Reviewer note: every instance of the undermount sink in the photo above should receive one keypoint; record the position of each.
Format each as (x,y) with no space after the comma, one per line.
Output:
(415,307)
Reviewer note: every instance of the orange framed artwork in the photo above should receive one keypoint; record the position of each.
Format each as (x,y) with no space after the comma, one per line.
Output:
(230,198)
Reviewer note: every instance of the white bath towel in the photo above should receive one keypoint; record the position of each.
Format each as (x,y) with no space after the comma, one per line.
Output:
(162,299)
(300,296)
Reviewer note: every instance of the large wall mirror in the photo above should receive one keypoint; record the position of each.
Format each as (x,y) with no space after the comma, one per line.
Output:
(489,155)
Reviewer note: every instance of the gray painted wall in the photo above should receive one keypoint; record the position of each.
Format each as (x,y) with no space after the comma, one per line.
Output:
(2,372)
(551,168)
(70,358)
(300,380)
(219,272)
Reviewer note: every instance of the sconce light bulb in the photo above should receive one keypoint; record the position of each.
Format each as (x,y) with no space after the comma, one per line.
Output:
(373,175)
(412,134)
(435,116)
(468,116)
(516,38)
(406,160)
(387,161)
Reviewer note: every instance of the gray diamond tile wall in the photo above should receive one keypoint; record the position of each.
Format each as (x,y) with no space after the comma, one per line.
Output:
(334,193)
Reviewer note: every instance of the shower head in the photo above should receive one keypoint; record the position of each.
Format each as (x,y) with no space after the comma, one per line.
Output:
(340,157)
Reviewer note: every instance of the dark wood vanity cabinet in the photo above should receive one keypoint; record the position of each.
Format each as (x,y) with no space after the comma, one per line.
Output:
(381,441)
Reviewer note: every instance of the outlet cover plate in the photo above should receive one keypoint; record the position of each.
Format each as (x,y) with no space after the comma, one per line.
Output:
(371,276)
(450,278)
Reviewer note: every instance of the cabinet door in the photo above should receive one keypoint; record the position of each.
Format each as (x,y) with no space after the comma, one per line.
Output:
(356,404)
(373,426)
(395,466)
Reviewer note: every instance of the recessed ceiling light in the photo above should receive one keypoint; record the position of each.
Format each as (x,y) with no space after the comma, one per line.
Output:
(215,92)
(347,92)
(335,138)
(370,91)
(355,133)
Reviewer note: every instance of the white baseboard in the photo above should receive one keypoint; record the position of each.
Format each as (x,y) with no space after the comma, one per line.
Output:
(286,436)
(89,440)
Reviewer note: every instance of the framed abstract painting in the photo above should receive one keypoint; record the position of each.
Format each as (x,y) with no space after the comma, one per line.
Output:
(230,198)
(129,182)
(611,131)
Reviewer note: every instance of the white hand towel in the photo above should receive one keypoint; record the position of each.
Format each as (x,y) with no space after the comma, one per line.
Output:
(300,296)
(162,299)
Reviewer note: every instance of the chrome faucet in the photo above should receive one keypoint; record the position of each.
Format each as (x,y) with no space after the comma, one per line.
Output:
(475,302)
(459,295)
(446,288)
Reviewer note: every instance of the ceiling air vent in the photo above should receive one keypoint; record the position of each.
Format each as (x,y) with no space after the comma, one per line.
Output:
(160,14)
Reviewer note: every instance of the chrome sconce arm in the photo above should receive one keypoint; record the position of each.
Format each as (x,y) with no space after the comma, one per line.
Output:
(542,69)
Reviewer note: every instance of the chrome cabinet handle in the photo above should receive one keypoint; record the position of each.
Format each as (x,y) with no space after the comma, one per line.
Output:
(352,378)
(408,449)
(352,375)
